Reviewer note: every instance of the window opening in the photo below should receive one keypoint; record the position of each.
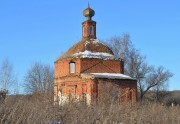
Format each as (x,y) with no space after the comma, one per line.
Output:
(72,67)
(91,30)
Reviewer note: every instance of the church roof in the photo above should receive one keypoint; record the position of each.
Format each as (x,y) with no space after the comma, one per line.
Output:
(107,76)
(88,48)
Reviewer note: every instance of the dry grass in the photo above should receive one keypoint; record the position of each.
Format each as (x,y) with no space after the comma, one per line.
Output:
(126,114)
(26,110)
(38,109)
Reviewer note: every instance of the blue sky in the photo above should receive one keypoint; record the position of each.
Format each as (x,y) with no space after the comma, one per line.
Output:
(41,30)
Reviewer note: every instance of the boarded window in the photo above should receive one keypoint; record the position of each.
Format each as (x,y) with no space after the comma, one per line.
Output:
(71,91)
(84,97)
(84,91)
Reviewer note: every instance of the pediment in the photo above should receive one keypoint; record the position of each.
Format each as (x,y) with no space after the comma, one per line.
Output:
(99,68)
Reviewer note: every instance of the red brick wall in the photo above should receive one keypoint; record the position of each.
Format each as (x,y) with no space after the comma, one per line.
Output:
(62,68)
(127,88)
(100,66)
(86,26)
(73,83)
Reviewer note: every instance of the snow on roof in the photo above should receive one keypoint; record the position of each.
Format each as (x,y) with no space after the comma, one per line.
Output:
(95,41)
(89,48)
(98,55)
(107,75)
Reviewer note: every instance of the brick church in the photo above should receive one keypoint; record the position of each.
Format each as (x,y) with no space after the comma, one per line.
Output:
(81,72)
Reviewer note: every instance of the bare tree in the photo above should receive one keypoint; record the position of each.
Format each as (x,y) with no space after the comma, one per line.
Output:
(39,79)
(157,80)
(7,77)
(120,46)
(147,76)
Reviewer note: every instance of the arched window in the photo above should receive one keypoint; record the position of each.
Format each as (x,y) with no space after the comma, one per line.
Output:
(91,30)
(72,67)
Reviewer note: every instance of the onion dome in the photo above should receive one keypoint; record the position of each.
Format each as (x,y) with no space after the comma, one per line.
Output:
(88,13)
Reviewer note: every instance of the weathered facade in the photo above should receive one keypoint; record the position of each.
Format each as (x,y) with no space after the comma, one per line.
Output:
(89,64)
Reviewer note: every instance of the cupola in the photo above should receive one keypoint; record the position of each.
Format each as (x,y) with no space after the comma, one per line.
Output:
(88,13)
(89,26)
(89,46)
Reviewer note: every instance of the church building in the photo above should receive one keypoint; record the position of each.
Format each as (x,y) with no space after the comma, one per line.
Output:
(81,72)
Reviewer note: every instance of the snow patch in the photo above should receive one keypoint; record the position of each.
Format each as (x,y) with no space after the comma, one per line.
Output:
(86,43)
(96,41)
(98,55)
(108,75)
